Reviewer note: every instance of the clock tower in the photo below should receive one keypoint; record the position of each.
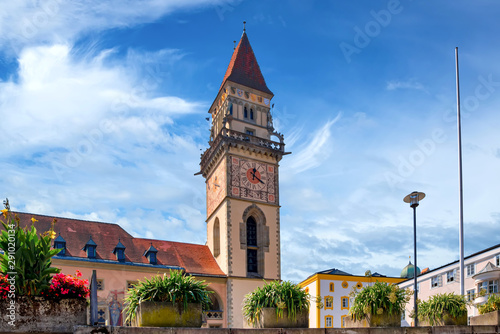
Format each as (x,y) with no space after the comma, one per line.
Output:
(241,172)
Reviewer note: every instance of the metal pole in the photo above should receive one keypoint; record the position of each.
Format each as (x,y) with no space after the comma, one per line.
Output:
(460,197)
(415,290)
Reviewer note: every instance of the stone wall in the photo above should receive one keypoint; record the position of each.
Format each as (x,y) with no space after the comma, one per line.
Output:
(379,330)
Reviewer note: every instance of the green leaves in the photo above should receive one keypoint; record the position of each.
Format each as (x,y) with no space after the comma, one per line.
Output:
(378,298)
(28,254)
(438,305)
(282,295)
(177,287)
(492,304)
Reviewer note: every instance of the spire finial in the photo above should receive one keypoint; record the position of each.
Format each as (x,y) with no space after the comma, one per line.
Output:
(244,29)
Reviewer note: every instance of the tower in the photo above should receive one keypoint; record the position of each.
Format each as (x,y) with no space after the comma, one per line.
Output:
(241,172)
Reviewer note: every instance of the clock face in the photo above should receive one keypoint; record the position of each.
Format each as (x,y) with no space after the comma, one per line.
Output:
(253,175)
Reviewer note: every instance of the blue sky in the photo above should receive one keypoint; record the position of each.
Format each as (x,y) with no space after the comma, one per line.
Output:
(103,107)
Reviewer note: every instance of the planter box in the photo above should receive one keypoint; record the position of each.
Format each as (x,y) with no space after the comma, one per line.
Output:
(447,320)
(269,319)
(36,314)
(167,314)
(491,318)
(375,320)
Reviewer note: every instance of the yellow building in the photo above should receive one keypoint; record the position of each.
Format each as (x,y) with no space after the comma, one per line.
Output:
(243,212)
(333,286)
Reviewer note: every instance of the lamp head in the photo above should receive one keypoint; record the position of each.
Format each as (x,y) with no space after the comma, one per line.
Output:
(414,198)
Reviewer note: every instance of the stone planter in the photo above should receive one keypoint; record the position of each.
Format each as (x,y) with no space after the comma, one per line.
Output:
(490,318)
(167,314)
(269,319)
(375,320)
(36,314)
(446,320)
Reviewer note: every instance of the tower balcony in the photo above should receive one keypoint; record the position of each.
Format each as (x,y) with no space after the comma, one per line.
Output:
(236,137)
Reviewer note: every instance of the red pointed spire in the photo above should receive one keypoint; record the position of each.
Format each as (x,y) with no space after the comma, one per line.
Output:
(244,69)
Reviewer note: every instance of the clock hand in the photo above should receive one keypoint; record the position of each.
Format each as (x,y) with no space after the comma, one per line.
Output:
(255,176)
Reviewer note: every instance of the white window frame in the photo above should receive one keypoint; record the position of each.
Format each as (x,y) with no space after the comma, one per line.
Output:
(497,260)
(434,282)
(329,317)
(452,276)
(471,294)
(469,271)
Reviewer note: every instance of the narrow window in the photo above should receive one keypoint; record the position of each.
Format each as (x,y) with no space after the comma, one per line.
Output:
(345,303)
(230,108)
(332,287)
(252,264)
(497,260)
(216,237)
(251,113)
(245,112)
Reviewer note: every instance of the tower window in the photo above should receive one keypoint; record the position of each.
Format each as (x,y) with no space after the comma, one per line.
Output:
(251,232)
(216,237)
(230,108)
(251,113)
(252,261)
(245,112)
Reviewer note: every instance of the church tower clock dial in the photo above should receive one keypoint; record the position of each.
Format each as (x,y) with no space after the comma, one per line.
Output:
(241,170)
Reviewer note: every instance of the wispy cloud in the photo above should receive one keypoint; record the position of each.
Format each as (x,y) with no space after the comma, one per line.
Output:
(312,153)
(409,84)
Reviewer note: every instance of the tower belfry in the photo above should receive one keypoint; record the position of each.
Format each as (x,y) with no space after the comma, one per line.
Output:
(241,172)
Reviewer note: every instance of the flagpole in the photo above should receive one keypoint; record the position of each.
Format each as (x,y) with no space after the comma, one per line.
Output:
(460,196)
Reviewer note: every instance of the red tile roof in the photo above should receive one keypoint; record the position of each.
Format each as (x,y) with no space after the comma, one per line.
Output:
(195,259)
(244,69)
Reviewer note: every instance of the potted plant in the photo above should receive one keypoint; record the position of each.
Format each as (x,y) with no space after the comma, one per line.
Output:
(174,300)
(377,305)
(489,312)
(27,287)
(277,305)
(443,310)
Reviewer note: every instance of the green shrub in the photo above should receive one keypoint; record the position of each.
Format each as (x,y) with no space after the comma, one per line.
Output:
(378,298)
(437,306)
(175,288)
(281,295)
(492,304)
(27,254)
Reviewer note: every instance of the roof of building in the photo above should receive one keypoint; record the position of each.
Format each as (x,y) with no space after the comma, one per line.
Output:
(195,259)
(457,261)
(409,270)
(244,69)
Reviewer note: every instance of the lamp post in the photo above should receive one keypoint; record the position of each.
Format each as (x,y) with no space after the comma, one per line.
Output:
(413,199)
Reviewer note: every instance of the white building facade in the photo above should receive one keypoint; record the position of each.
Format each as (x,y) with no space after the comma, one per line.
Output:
(481,273)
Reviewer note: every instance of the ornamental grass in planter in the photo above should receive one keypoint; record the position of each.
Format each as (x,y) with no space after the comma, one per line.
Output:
(443,309)
(277,305)
(489,312)
(176,300)
(378,305)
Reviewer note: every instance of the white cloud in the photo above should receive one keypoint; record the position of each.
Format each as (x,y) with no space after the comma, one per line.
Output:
(24,22)
(410,84)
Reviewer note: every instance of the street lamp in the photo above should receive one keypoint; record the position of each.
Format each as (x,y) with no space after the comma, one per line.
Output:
(413,199)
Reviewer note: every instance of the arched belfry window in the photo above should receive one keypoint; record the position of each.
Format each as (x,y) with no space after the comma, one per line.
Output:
(216,236)
(252,248)
(245,112)
(230,108)
(254,239)
(251,113)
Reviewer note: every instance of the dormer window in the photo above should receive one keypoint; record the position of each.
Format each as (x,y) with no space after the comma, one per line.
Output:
(60,243)
(150,254)
(119,251)
(90,247)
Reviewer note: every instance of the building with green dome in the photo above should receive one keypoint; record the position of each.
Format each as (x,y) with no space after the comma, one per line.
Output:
(409,271)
